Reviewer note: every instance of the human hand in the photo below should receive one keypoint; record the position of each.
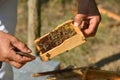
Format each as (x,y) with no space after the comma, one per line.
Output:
(88,17)
(7,52)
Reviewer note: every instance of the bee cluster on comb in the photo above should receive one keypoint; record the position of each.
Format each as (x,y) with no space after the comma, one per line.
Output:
(63,38)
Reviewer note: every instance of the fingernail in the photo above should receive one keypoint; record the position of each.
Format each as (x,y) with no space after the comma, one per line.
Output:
(28,50)
(76,24)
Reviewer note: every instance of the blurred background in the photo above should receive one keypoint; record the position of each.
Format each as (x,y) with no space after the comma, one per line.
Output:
(102,50)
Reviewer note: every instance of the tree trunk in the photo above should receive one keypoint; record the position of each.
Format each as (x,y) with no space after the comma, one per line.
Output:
(34,25)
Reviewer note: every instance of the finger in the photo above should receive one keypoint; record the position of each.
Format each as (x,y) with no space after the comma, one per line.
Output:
(82,25)
(16,65)
(85,24)
(78,19)
(20,45)
(17,58)
(91,30)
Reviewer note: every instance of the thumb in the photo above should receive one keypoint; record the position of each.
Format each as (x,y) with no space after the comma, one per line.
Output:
(78,19)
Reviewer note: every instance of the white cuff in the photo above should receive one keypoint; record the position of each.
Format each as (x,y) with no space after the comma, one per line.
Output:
(2,27)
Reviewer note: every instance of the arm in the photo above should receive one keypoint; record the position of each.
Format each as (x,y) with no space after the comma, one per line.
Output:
(88,17)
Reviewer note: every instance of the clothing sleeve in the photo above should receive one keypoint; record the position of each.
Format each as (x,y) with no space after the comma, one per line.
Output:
(8,15)
(2,27)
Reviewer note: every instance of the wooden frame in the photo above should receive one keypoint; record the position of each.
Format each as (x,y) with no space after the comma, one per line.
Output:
(63,38)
